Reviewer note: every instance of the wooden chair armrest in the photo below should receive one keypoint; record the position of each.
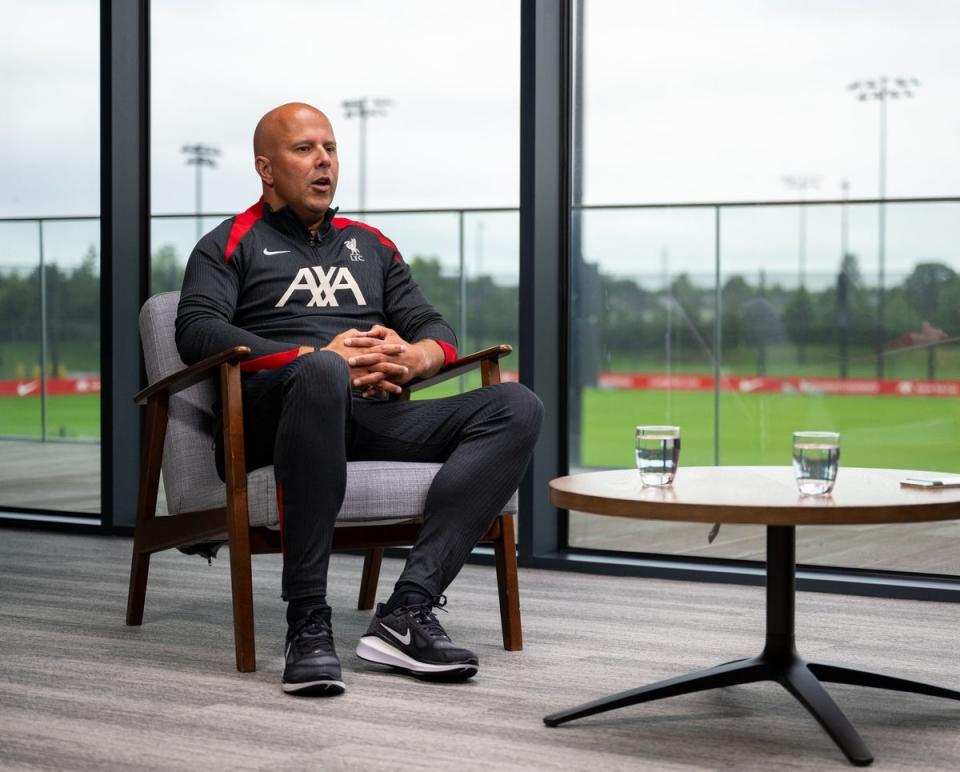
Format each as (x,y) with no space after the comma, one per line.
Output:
(188,376)
(461,366)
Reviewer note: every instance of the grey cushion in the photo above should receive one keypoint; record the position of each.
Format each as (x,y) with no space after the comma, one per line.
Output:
(376,490)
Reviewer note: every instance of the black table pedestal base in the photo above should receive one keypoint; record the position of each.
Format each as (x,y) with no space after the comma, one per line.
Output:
(779,662)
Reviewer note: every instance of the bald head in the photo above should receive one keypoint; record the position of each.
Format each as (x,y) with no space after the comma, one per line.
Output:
(279,121)
(296,157)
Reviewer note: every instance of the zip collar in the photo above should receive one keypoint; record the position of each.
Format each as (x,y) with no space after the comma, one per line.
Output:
(286,221)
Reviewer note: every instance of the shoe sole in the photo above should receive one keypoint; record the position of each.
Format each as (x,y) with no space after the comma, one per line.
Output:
(374,649)
(322,688)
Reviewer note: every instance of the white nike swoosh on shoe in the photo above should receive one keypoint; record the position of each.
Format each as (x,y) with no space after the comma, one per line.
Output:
(404,639)
(277,252)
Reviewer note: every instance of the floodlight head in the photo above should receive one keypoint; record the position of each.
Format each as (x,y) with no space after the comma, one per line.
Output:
(200,150)
(365,107)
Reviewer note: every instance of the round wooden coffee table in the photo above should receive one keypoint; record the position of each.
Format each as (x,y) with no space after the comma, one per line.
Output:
(764,495)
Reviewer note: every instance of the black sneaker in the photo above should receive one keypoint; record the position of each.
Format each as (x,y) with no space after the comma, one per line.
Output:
(312,668)
(411,639)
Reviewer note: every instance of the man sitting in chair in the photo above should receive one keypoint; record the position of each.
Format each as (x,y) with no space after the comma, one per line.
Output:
(336,325)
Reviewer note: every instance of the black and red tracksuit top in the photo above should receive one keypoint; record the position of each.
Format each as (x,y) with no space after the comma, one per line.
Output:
(260,279)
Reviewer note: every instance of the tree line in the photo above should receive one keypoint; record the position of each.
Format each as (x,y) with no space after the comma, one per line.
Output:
(613,317)
(759,316)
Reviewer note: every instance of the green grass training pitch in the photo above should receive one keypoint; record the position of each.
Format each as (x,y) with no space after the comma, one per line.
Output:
(74,416)
(905,432)
(901,432)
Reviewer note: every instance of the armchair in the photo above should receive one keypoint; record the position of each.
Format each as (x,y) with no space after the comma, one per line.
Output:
(382,507)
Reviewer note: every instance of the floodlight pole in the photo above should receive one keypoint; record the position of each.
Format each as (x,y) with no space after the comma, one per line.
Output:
(843,282)
(364,108)
(882,89)
(844,219)
(802,182)
(200,155)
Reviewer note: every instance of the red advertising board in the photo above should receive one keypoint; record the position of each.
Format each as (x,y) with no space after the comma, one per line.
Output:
(759,384)
(31,387)
(742,384)
(749,384)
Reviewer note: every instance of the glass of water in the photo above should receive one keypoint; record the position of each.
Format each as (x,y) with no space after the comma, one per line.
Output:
(816,456)
(658,450)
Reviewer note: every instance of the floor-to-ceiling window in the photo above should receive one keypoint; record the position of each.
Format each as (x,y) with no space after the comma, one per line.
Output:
(426,120)
(767,239)
(50,258)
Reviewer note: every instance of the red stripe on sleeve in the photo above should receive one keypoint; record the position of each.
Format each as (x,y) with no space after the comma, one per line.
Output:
(449,352)
(242,224)
(269,361)
(342,222)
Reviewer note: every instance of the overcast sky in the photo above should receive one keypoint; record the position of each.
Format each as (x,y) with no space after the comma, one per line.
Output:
(691,100)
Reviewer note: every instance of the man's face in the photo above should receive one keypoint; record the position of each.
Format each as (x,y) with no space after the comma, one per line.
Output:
(302,167)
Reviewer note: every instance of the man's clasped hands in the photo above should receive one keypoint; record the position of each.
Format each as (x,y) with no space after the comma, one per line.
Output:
(381,361)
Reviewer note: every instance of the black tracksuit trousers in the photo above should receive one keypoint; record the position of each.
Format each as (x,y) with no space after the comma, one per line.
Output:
(304,419)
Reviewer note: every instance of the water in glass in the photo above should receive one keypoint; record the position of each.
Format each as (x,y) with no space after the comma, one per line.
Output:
(816,456)
(658,451)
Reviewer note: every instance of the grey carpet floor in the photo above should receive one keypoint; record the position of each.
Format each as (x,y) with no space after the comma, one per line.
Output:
(79,690)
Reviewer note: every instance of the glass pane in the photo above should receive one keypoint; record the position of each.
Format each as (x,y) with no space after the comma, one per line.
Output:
(50,260)
(72,285)
(20,357)
(834,313)
(171,241)
(808,342)
(491,246)
(414,144)
(643,351)
(806,346)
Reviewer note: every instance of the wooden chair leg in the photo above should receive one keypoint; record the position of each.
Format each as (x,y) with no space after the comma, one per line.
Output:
(137,594)
(505,552)
(238,522)
(155,428)
(241,583)
(371,575)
